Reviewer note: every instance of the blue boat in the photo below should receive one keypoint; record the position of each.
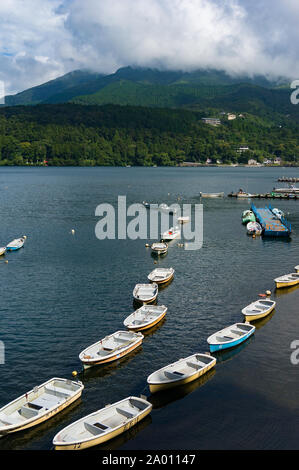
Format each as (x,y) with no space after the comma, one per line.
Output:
(16,244)
(230,336)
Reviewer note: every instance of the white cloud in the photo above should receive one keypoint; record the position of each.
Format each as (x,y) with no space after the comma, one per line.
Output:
(41,39)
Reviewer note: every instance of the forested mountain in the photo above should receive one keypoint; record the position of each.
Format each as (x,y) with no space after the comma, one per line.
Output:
(71,134)
(148,117)
(136,86)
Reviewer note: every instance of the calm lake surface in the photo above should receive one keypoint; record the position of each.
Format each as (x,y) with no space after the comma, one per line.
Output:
(63,292)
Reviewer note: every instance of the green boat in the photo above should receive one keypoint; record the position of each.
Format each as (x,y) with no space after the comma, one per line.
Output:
(248,216)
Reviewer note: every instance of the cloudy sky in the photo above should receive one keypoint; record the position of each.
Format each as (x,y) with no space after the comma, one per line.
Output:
(43,39)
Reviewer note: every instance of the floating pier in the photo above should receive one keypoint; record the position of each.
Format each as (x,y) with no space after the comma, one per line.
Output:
(287,179)
(272,195)
(272,226)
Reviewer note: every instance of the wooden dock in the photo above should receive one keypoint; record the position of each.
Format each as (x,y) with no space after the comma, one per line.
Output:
(287,179)
(272,226)
(272,195)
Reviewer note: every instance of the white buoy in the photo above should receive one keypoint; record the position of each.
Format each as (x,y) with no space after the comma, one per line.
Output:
(73,231)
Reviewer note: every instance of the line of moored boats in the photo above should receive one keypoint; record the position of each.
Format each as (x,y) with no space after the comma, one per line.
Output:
(51,397)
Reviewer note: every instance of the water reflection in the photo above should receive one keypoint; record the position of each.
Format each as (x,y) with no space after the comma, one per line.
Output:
(285,290)
(105,370)
(263,321)
(163,398)
(228,354)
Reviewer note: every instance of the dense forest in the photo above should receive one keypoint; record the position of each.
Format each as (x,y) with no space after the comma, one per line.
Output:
(74,134)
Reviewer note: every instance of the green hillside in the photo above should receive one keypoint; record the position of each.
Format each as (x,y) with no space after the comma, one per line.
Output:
(71,134)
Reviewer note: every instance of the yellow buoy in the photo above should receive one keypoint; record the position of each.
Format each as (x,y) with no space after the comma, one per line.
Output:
(73,231)
(147,245)
(6,261)
(268,292)
(74,373)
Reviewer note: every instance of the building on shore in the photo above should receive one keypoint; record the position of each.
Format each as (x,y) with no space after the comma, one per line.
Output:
(212,121)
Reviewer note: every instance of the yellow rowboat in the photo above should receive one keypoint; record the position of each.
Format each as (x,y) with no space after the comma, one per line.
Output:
(161,275)
(38,405)
(110,348)
(258,309)
(145,293)
(180,372)
(103,425)
(287,280)
(145,317)
(297,268)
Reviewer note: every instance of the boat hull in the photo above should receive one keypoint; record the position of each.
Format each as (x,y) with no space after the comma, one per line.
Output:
(115,357)
(149,325)
(258,316)
(159,387)
(163,281)
(43,418)
(280,284)
(231,344)
(101,439)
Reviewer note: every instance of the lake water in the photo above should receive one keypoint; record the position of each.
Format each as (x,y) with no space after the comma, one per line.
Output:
(63,292)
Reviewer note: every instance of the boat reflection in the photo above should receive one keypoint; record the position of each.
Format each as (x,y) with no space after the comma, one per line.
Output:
(150,331)
(285,290)
(162,398)
(228,354)
(105,370)
(262,322)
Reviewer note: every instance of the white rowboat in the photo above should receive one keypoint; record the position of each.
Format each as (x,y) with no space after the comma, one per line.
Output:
(258,309)
(254,228)
(102,425)
(211,194)
(180,372)
(161,275)
(230,336)
(110,348)
(145,293)
(159,248)
(16,244)
(145,317)
(38,405)
(2,250)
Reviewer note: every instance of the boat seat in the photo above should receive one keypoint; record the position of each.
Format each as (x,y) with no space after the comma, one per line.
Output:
(46,401)
(9,419)
(128,413)
(96,428)
(173,375)
(193,365)
(28,412)
(240,333)
(58,391)
(221,339)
